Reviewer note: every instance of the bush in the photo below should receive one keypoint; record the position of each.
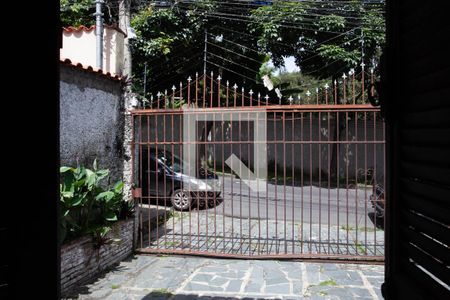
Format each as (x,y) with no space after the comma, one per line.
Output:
(85,204)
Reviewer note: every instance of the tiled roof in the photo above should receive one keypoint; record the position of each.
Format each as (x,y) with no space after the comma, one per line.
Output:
(90,69)
(87,29)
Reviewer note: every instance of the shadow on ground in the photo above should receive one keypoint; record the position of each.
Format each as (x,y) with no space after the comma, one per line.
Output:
(163,296)
(83,289)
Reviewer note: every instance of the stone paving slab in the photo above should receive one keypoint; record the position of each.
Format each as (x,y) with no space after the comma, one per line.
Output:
(178,277)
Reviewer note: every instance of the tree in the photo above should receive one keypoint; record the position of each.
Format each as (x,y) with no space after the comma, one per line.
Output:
(171,41)
(296,85)
(81,12)
(324,37)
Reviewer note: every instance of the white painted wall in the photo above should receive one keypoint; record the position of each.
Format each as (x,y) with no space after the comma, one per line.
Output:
(80,47)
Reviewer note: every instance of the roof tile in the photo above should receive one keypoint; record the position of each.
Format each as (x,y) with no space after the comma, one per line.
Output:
(91,69)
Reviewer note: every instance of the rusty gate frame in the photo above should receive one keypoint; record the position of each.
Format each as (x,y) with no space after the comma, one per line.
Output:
(322,106)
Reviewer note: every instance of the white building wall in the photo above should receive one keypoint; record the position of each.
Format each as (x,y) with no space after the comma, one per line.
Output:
(81,47)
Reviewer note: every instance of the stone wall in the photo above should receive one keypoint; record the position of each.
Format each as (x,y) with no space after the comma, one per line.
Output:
(91,121)
(80,262)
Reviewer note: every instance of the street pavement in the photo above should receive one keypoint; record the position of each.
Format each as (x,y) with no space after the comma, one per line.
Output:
(284,220)
(312,204)
(207,231)
(177,277)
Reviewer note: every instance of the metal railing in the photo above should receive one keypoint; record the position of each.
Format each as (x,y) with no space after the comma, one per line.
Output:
(226,174)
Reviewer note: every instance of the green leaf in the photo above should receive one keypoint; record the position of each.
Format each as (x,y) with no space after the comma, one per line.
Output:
(91,178)
(65,169)
(67,194)
(118,187)
(79,173)
(108,195)
(102,174)
(78,199)
(110,216)
(94,165)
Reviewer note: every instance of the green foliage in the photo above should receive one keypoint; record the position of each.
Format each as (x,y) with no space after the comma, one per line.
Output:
(100,236)
(85,204)
(81,12)
(166,40)
(324,38)
(171,42)
(296,84)
(265,69)
(76,13)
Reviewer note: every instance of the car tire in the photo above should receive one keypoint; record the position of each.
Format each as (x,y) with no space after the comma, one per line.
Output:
(181,200)
(214,202)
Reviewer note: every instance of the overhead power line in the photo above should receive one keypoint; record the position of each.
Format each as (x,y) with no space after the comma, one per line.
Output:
(167,79)
(181,63)
(306,59)
(290,46)
(230,61)
(282,24)
(241,55)
(229,70)
(229,5)
(306,16)
(242,46)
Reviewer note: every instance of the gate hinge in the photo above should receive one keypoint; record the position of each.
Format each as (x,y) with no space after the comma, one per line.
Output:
(136,192)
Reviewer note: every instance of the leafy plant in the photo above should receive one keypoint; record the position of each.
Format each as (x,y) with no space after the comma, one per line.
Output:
(85,203)
(100,236)
(109,202)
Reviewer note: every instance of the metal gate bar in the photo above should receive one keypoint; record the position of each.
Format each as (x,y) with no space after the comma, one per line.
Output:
(324,163)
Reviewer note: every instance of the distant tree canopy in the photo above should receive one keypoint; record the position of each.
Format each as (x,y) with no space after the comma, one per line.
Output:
(171,41)
(325,37)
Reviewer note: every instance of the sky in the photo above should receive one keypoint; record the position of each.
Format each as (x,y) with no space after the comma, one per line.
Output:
(289,63)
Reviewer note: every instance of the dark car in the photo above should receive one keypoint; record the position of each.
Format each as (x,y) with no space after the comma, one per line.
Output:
(377,200)
(163,179)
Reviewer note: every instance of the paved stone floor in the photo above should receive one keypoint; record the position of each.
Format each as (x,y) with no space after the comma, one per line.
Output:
(178,277)
(207,231)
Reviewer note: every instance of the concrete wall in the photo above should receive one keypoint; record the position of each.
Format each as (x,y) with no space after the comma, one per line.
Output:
(312,153)
(91,121)
(80,262)
(80,46)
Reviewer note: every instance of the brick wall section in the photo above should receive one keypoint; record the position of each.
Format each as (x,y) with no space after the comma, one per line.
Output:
(80,263)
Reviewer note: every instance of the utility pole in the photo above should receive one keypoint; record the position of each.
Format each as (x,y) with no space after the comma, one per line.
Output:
(124,24)
(145,77)
(99,32)
(205,52)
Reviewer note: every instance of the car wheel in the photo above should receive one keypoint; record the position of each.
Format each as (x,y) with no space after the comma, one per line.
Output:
(214,202)
(181,200)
